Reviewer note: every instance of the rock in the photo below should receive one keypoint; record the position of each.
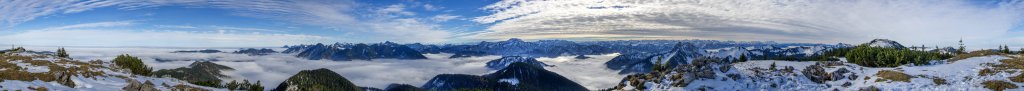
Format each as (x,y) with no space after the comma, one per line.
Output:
(838,74)
(134,85)
(816,73)
(725,68)
(64,78)
(870,88)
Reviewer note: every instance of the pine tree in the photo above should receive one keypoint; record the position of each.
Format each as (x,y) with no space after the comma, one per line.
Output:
(657,65)
(962,48)
(743,57)
(62,53)
(1006,49)
(256,87)
(233,85)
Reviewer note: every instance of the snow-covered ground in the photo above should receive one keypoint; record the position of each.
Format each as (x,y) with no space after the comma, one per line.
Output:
(961,75)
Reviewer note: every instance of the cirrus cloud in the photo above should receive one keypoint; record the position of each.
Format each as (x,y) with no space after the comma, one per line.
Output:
(818,21)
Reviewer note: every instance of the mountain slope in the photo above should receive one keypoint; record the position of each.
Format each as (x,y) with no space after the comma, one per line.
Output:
(517,76)
(199,72)
(317,80)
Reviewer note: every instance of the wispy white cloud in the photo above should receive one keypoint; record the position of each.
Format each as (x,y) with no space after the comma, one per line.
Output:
(444,17)
(430,7)
(87,37)
(394,9)
(176,26)
(243,29)
(829,21)
(335,14)
(93,25)
(17,11)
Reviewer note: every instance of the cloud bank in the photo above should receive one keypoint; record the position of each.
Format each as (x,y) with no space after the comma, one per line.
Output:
(816,21)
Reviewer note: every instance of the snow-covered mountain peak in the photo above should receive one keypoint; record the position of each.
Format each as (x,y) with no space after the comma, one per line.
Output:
(886,43)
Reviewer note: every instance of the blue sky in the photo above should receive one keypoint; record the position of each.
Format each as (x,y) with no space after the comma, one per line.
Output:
(217,23)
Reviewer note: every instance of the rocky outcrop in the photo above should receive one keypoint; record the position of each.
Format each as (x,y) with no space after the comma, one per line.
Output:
(134,85)
(817,74)
(64,78)
(317,80)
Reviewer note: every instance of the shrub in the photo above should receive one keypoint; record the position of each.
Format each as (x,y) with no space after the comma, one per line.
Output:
(939,81)
(132,63)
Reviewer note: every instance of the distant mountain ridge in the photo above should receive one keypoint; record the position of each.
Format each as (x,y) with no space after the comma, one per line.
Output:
(503,62)
(347,52)
(555,48)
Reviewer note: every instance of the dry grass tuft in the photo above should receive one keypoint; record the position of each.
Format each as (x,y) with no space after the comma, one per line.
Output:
(997,85)
(890,75)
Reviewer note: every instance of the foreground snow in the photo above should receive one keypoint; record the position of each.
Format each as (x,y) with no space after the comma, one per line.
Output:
(961,75)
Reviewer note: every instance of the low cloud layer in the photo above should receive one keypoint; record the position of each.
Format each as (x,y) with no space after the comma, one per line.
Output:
(275,68)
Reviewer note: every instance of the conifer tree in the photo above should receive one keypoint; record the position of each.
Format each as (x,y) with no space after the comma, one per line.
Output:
(1006,49)
(62,53)
(233,85)
(962,47)
(256,87)
(743,57)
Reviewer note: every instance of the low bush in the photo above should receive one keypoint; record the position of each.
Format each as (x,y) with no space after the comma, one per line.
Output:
(132,63)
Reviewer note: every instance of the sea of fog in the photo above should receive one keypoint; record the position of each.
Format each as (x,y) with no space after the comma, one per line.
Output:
(272,69)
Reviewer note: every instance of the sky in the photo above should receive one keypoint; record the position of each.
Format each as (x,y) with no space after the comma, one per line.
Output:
(267,23)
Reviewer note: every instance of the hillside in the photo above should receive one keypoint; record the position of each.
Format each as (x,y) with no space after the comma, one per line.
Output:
(29,70)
